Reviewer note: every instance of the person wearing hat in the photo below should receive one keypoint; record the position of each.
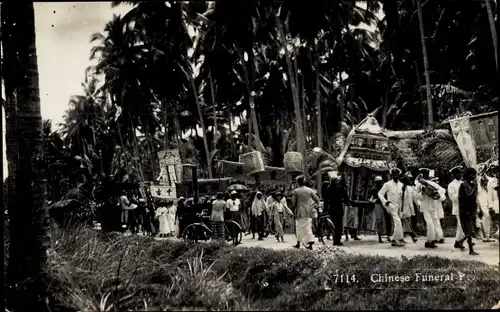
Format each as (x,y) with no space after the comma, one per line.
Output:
(485,204)
(440,212)
(493,189)
(408,206)
(233,205)
(393,190)
(278,210)
(453,187)
(383,220)
(468,207)
(429,207)
(301,206)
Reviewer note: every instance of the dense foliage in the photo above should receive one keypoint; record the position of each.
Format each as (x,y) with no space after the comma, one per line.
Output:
(102,273)
(192,75)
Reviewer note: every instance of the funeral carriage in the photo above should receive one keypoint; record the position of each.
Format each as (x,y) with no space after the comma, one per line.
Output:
(366,154)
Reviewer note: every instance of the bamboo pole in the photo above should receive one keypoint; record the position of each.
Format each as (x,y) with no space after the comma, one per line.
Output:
(430,110)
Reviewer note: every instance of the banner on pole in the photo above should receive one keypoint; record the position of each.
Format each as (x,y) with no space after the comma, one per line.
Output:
(462,132)
(170,167)
(476,136)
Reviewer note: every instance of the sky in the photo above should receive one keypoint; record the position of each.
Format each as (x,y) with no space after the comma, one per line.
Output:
(63,31)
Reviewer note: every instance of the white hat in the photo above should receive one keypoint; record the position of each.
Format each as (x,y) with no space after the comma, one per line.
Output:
(395,170)
(408,174)
(456,168)
(233,192)
(333,175)
(378,178)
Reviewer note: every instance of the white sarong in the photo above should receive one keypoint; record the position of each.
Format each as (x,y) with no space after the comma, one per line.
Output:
(304,230)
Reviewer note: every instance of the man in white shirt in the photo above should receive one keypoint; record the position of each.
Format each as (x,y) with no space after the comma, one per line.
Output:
(453,195)
(233,205)
(438,204)
(393,189)
(485,201)
(429,208)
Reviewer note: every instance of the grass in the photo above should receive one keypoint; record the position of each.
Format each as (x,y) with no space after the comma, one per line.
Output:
(96,272)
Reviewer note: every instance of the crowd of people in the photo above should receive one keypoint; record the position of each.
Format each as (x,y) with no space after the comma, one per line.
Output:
(396,203)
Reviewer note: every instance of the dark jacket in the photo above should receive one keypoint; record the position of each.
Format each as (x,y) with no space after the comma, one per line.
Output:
(467,198)
(335,198)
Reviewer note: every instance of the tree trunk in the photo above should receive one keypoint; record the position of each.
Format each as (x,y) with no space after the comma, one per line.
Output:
(295,94)
(384,108)
(29,219)
(203,129)
(318,114)
(430,110)
(491,20)
(253,115)
(214,106)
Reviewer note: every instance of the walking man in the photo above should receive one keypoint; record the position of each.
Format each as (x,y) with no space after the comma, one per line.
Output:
(335,199)
(383,221)
(393,189)
(428,206)
(301,206)
(453,195)
(468,208)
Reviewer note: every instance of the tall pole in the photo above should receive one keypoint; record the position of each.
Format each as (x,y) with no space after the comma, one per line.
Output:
(430,114)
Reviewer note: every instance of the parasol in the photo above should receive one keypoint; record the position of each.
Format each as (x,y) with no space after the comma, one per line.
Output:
(237,187)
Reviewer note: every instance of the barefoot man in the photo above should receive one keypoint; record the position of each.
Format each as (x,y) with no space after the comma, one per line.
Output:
(301,206)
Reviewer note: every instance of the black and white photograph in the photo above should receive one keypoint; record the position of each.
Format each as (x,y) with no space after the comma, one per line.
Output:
(239,155)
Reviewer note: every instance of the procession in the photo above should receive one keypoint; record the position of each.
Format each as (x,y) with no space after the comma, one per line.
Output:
(239,155)
(395,201)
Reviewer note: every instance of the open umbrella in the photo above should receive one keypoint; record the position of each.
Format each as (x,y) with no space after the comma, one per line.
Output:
(237,187)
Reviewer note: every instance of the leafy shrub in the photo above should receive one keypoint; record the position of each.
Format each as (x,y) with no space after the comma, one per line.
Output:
(93,271)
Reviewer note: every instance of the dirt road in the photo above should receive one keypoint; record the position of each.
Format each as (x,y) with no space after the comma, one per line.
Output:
(488,252)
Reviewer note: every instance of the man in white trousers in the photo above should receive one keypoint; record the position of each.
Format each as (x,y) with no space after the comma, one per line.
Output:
(393,190)
(429,208)
(485,201)
(453,195)
(438,203)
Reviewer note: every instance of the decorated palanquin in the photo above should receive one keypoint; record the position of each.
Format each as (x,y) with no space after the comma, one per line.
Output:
(365,155)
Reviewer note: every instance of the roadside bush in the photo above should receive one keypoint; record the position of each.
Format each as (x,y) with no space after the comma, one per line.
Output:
(92,271)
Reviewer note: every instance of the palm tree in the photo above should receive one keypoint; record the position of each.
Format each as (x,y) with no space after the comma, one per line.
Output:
(430,110)
(491,21)
(29,239)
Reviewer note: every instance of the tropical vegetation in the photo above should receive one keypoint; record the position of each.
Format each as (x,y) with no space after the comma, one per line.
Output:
(216,79)
(219,78)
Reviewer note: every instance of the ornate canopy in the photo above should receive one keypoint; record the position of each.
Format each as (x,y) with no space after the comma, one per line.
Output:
(367,145)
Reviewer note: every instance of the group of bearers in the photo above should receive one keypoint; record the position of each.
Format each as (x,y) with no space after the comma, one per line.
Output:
(474,203)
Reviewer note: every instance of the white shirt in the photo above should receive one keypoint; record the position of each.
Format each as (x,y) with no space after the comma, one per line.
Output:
(453,194)
(394,192)
(425,201)
(492,183)
(270,200)
(410,201)
(233,205)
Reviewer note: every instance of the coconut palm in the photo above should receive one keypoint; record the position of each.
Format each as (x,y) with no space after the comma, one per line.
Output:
(28,215)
